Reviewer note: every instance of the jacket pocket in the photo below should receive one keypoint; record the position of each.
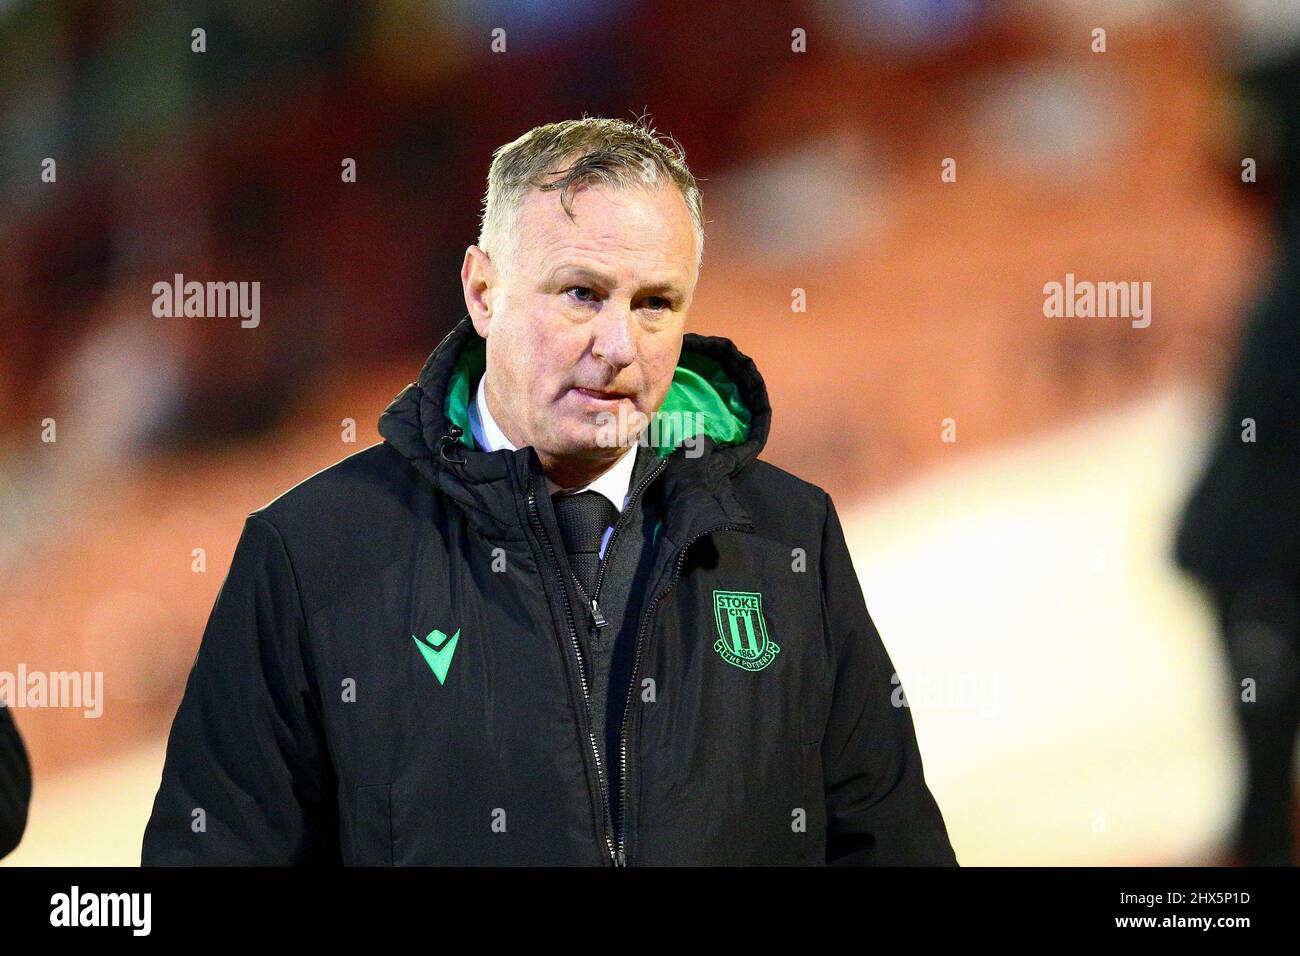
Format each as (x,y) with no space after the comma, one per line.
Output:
(373,830)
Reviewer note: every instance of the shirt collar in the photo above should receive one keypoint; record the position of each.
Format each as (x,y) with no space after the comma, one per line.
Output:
(613,483)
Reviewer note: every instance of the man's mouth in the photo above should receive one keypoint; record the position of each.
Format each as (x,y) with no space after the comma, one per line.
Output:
(600,395)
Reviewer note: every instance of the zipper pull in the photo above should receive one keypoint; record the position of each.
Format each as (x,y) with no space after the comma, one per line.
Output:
(596,615)
(620,860)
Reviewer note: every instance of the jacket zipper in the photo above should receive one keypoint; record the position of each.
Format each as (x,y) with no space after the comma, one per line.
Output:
(596,615)
(618,854)
(606,823)
(620,858)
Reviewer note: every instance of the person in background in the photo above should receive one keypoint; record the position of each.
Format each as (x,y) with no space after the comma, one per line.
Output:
(1240,530)
(15,783)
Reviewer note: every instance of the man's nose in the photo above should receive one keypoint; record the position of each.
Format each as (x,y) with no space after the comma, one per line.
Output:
(614,336)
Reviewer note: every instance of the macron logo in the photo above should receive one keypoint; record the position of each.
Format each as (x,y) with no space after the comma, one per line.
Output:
(438,649)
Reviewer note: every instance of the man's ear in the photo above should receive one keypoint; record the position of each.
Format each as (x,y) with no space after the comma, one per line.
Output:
(478,279)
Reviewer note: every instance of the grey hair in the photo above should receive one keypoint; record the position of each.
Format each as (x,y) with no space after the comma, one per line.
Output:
(582,152)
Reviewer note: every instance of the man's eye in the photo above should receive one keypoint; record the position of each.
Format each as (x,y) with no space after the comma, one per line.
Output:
(581,293)
(658,302)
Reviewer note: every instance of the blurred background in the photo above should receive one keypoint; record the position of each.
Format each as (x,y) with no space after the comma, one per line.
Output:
(1068,679)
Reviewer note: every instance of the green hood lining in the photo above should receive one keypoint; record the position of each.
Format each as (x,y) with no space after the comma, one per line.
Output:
(702,398)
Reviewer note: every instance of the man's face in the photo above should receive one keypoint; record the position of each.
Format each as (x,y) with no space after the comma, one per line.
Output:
(585,318)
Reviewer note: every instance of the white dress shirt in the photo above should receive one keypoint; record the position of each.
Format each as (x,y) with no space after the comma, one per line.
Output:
(614,483)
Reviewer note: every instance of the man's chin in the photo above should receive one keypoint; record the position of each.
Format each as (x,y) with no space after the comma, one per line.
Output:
(583,432)
(594,443)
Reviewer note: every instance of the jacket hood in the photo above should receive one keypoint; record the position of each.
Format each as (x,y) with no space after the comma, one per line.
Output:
(717,397)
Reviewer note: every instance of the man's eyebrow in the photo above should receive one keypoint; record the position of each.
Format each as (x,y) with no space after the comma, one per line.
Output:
(661,288)
(581,274)
(578,274)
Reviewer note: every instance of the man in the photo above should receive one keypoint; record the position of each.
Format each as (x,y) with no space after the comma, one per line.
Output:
(537,625)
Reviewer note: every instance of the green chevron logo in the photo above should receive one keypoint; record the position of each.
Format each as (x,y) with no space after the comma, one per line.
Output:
(438,650)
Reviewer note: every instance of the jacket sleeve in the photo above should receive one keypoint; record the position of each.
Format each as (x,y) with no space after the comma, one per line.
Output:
(878,808)
(247,780)
(15,783)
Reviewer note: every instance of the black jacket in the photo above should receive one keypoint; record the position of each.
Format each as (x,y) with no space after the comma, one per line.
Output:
(391,673)
(15,783)
(1242,520)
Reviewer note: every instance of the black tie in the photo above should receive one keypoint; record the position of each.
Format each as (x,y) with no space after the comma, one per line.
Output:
(583,519)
